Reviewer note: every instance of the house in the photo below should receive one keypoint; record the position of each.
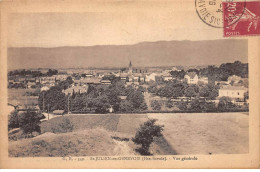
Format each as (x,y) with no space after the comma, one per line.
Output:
(222,83)
(58,112)
(105,82)
(22,80)
(191,78)
(123,76)
(89,75)
(123,97)
(75,89)
(110,109)
(204,80)
(85,81)
(150,77)
(142,78)
(30,84)
(167,77)
(166,72)
(176,68)
(232,92)
(45,88)
(60,77)
(31,79)
(48,79)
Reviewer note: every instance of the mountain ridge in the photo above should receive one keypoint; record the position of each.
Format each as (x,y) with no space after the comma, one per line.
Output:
(159,53)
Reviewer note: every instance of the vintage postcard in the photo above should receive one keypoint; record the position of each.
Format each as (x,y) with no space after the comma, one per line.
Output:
(129,84)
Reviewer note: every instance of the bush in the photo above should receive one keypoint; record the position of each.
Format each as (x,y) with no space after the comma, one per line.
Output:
(169,103)
(182,105)
(195,105)
(102,104)
(29,122)
(156,105)
(126,106)
(145,135)
(202,106)
(64,127)
(143,106)
(137,99)
(225,104)
(13,121)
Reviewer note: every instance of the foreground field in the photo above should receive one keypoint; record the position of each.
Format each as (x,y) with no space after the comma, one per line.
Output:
(81,143)
(212,133)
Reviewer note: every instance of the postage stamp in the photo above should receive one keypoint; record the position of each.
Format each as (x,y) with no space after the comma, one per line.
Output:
(236,17)
(241,18)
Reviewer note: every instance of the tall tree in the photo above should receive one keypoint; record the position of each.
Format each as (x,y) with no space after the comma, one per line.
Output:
(136,98)
(102,104)
(54,97)
(146,134)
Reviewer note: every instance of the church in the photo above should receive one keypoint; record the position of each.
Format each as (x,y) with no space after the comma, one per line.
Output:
(133,75)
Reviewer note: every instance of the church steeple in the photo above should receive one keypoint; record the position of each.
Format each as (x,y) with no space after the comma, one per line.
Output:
(130,70)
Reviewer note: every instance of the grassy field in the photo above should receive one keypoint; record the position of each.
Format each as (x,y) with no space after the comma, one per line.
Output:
(81,143)
(16,96)
(212,133)
(82,122)
(192,133)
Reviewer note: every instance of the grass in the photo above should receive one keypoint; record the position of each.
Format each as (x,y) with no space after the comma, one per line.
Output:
(81,122)
(16,96)
(129,123)
(205,133)
(190,133)
(96,142)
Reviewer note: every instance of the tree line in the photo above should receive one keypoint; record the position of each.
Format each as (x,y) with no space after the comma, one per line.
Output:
(215,73)
(175,88)
(24,72)
(98,99)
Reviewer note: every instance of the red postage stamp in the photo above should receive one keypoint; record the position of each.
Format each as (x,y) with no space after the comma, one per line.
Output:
(241,18)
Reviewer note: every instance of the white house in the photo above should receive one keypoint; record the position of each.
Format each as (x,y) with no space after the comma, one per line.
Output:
(45,88)
(204,80)
(105,82)
(191,78)
(47,79)
(76,89)
(150,77)
(232,92)
(167,78)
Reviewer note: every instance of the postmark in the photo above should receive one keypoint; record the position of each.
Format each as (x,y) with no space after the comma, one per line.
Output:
(211,12)
(241,20)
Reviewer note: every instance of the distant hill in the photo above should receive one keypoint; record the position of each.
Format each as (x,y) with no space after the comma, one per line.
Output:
(161,53)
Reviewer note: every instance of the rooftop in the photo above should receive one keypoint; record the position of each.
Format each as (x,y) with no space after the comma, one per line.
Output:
(229,87)
(191,74)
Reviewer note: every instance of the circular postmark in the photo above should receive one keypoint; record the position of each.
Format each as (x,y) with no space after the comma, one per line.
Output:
(218,13)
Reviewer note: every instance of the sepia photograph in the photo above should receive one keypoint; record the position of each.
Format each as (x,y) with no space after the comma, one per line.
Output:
(135,84)
(144,98)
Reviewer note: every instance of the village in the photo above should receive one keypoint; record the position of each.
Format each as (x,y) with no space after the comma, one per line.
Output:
(103,111)
(165,89)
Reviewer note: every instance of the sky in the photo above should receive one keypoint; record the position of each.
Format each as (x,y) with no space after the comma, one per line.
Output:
(50,39)
(110,24)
